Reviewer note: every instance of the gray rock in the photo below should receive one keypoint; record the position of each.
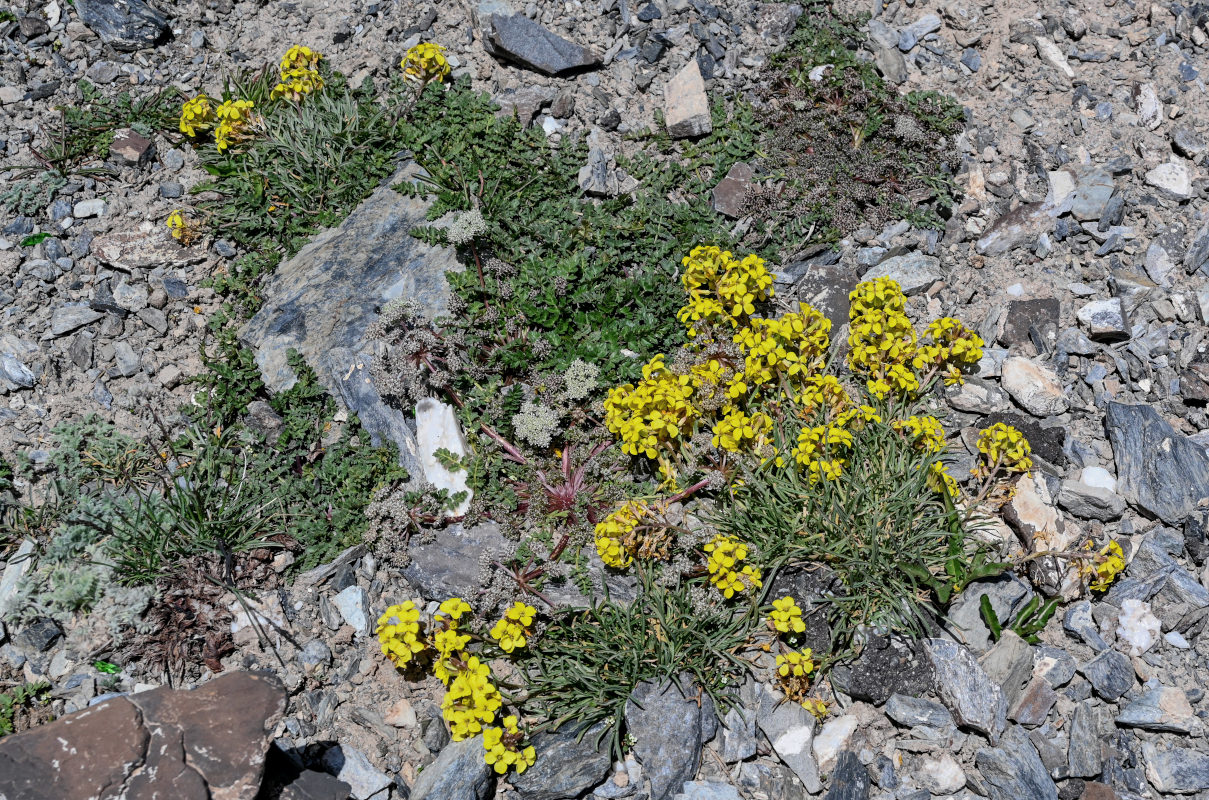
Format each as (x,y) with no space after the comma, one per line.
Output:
(14,371)
(1010,664)
(1091,502)
(1078,622)
(315,654)
(459,773)
(66,319)
(825,287)
(790,731)
(1187,142)
(1110,674)
(353,605)
(1158,469)
(1105,320)
(1089,722)
(1159,264)
(1147,105)
(126,361)
(524,103)
(520,39)
(1035,387)
(322,301)
(912,711)
(1014,771)
(849,780)
(889,61)
(38,636)
(707,790)
(1178,770)
(313,785)
(567,765)
(130,297)
(1007,595)
(126,25)
(1020,227)
(668,728)
(89,208)
(1033,705)
(1159,708)
(1054,664)
(913,272)
(976,396)
(886,665)
(738,735)
(1173,179)
(1091,194)
(730,194)
(686,105)
(1197,254)
(966,689)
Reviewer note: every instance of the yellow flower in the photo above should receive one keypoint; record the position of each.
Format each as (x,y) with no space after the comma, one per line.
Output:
(786,616)
(925,432)
(426,62)
(513,627)
(454,608)
(297,82)
(1006,447)
(471,700)
(725,553)
(399,633)
(196,114)
(1105,566)
(300,57)
(183,229)
(233,117)
(504,748)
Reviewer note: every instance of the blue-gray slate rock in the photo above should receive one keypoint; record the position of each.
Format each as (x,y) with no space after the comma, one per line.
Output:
(568,764)
(976,701)
(669,730)
(520,39)
(912,711)
(322,300)
(1178,770)
(1158,469)
(459,773)
(1110,674)
(124,24)
(1013,770)
(1078,622)
(849,780)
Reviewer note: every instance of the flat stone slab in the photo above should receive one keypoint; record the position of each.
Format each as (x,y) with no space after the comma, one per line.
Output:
(322,301)
(522,40)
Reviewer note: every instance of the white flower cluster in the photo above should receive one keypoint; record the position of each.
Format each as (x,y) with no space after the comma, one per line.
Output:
(468,226)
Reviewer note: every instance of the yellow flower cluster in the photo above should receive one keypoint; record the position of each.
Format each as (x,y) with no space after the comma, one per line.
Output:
(1103,569)
(739,431)
(399,633)
(299,75)
(816,706)
(504,748)
(940,481)
(614,529)
(881,338)
(786,616)
(183,229)
(471,700)
(721,288)
(823,392)
(233,117)
(196,114)
(425,62)
(949,346)
(513,627)
(820,448)
(725,571)
(793,673)
(1006,447)
(793,345)
(652,414)
(925,432)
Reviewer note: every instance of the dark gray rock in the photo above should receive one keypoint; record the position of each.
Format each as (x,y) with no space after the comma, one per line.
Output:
(313,785)
(1158,469)
(1110,674)
(1179,770)
(521,39)
(322,301)
(1039,314)
(38,636)
(1078,622)
(826,287)
(912,711)
(790,731)
(567,765)
(737,735)
(669,731)
(1090,721)
(124,24)
(1013,770)
(459,773)
(1197,254)
(849,780)
(1159,708)
(965,688)
(1020,227)
(1007,595)
(886,665)
(730,194)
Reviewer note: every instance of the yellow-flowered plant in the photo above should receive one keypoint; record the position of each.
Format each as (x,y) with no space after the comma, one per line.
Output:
(816,706)
(821,448)
(925,432)
(183,229)
(196,115)
(739,431)
(612,531)
(513,627)
(726,572)
(1004,447)
(505,749)
(1104,567)
(722,290)
(471,697)
(233,118)
(399,633)
(426,62)
(793,345)
(793,673)
(786,616)
(948,347)
(653,414)
(300,57)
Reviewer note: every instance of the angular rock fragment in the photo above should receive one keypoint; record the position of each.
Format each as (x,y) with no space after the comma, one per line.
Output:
(1014,771)
(686,105)
(1158,469)
(669,731)
(966,690)
(126,25)
(520,39)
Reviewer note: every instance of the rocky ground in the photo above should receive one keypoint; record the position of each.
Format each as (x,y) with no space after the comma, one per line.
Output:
(1077,249)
